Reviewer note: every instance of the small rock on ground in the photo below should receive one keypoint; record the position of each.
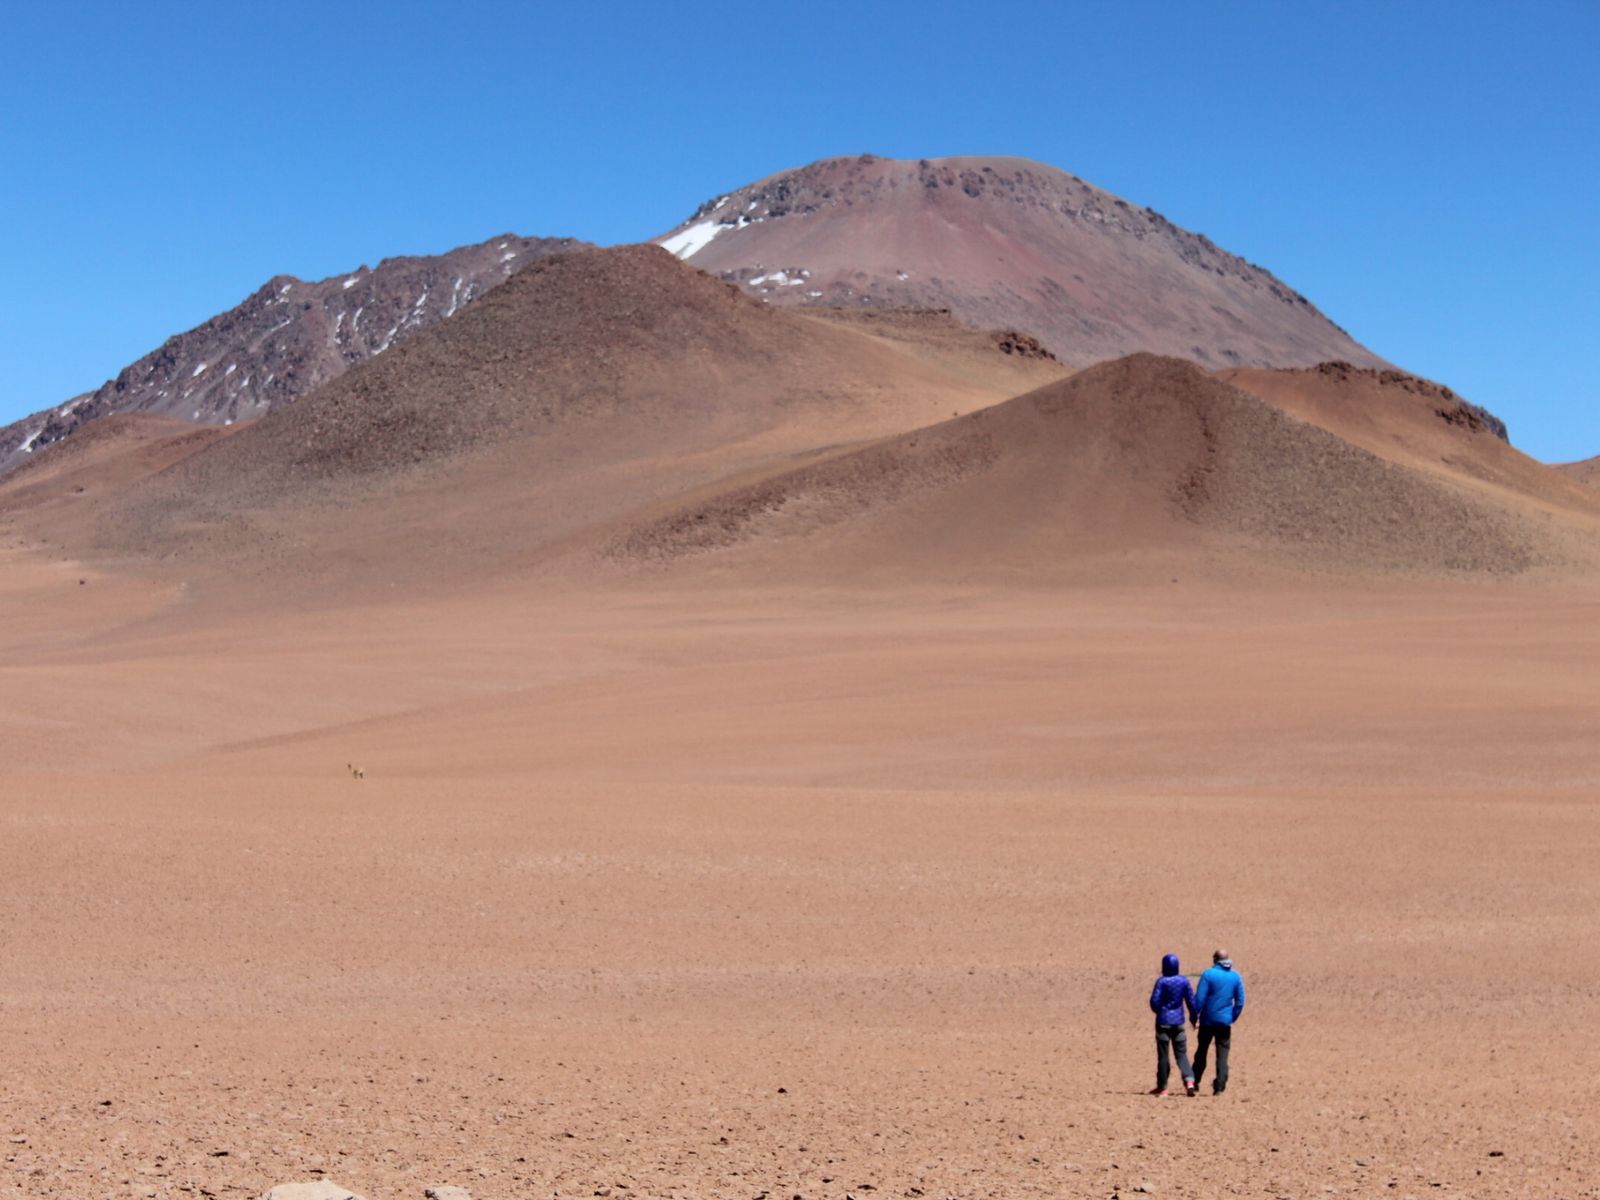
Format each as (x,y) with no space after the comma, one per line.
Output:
(323,1189)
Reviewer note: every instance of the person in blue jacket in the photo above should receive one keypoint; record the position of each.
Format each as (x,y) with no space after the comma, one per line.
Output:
(1218,1000)
(1168,1000)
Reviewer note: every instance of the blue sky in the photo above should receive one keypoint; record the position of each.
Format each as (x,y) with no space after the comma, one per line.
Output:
(1425,172)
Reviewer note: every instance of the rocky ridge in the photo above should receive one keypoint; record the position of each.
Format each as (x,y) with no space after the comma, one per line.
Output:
(285,339)
(1449,407)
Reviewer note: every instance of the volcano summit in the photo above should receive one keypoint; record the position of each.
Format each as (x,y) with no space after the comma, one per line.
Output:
(1006,243)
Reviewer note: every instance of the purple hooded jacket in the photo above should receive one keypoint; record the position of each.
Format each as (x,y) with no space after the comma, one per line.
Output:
(1172,994)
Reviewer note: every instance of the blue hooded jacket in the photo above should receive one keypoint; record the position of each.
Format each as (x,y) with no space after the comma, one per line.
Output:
(1220,997)
(1172,994)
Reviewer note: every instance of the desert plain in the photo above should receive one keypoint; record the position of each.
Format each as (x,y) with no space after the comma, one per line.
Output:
(680,888)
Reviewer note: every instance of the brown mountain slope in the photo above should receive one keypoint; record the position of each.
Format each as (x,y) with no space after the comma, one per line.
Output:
(1416,423)
(1004,242)
(287,338)
(104,458)
(1586,471)
(586,385)
(1129,465)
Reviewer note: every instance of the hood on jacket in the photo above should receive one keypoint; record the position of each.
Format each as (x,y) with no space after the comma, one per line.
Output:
(1169,964)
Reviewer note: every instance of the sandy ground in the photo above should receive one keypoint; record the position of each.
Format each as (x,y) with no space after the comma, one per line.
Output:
(676,893)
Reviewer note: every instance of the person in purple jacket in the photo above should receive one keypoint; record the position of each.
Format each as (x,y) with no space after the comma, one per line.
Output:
(1169,999)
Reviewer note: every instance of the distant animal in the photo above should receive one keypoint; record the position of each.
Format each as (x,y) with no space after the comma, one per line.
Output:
(355,771)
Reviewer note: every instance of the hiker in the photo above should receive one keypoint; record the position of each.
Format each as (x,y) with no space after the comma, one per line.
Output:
(1219,1001)
(1168,1000)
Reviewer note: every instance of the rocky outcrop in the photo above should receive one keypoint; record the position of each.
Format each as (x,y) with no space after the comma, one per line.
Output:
(287,338)
(1449,407)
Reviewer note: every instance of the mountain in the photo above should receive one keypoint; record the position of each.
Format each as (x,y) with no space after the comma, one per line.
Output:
(287,338)
(1142,467)
(623,412)
(618,414)
(585,387)
(1006,243)
(1000,243)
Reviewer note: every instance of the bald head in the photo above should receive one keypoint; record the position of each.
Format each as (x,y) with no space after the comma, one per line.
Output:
(1218,956)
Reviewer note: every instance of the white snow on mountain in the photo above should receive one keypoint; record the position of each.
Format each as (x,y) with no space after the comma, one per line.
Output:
(693,239)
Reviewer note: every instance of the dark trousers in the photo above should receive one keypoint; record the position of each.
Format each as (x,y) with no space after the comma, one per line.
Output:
(1173,1036)
(1222,1035)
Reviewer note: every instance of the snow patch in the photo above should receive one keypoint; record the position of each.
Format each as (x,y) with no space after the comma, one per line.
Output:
(780,278)
(692,240)
(351,282)
(232,367)
(27,446)
(198,371)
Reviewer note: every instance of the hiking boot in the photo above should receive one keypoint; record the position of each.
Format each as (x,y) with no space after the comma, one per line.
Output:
(1158,1091)
(1189,1088)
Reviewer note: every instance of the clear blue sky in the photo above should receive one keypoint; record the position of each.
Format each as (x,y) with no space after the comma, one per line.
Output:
(1425,172)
